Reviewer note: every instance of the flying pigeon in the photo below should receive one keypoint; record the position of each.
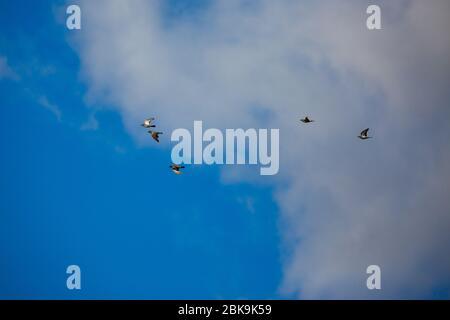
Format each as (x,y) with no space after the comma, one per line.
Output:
(155,135)
(176,168)
(148,123)
(363,135)
(306,120)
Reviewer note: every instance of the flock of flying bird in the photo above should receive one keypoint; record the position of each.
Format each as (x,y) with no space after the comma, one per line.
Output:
(148,123)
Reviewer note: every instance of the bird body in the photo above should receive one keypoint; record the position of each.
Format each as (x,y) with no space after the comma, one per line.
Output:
(306,120)
(176,168)
(364,134)
(148,123)
(155,135)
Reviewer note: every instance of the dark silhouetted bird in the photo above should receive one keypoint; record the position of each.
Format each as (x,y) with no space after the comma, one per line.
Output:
(306,120)
(364,134)
(176,168)
(155,135)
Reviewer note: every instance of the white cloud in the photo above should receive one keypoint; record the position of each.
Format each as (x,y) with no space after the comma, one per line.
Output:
(5,70)
(345,203)
(90,124)
(53,108)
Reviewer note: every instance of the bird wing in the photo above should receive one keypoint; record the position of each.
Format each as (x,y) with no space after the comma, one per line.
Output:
(364,132)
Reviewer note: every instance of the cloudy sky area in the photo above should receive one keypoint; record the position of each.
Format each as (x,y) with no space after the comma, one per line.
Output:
(338,204)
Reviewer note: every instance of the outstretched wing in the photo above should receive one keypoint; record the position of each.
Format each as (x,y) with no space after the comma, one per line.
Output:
(364,132)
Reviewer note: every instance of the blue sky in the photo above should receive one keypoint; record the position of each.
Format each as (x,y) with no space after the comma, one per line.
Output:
(92,198)
(82,183)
